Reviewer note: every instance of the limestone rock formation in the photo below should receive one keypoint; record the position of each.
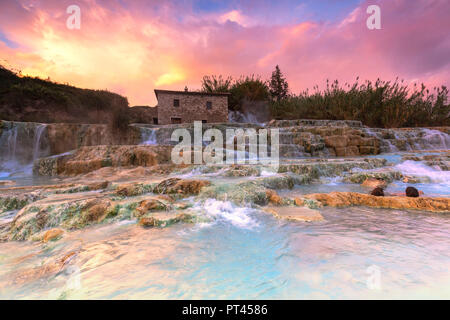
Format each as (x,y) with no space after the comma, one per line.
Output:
(343,199)
(87,159)
(181,186)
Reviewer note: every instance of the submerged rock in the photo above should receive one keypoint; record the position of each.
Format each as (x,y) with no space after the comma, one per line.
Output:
(302,214)
(343,199)
(374,183)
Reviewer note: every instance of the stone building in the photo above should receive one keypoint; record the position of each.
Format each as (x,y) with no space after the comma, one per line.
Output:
(188,106)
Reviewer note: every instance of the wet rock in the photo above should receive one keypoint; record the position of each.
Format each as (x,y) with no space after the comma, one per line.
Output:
(350,151)
(374,183)
(165,197)
(179,186)
(273,197)
(316,168)
(335,142)
(302,214)
(165,219)
(41,219)
(362,177)
(343,199)
(149,205)
(132,189)
(98,185)
(166,185)
(88,159)
(277,182)
(243,193)
(310,203)
(411,179)
(10,202)
(148,222)
(412,192)
(96,210)
(377,192)
(242,171)
(52,234)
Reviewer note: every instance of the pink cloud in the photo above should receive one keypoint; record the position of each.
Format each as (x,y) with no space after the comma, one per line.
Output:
(145,45)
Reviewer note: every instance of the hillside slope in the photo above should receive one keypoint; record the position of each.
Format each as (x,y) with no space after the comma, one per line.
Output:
(37,100)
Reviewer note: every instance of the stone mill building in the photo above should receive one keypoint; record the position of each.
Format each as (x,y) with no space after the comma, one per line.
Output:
(189,106)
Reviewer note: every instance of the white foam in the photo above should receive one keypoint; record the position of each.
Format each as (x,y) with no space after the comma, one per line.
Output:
(419,169)
(226,211)
(268,172)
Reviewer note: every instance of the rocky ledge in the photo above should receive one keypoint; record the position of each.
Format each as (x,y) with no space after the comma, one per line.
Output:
(345,199)
(87,159)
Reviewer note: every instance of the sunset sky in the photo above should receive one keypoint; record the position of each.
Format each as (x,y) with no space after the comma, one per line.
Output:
(133,47)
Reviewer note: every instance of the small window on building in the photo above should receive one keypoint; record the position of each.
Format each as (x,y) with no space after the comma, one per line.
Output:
(176,102)
(208,105)
(204,121)
(155,120)
(175,120)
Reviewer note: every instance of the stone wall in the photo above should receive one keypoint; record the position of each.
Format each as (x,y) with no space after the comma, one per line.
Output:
(142,114)
(192,107)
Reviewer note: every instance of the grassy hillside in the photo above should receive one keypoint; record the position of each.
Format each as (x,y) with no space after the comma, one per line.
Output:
(37,100)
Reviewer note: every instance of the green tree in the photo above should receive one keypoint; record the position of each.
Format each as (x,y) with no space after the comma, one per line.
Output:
(216,84)
(279,88)
(250,88)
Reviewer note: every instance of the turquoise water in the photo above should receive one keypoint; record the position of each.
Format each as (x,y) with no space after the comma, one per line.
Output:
(241,253)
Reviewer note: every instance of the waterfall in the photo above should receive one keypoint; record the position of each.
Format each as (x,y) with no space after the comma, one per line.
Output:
(11,140)
(239,117)
(436,139)
(410,139)
(417,169)
(148,136)
(37,148)
(20,144)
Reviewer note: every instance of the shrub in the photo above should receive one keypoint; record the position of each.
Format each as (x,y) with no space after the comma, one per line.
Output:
(379,104)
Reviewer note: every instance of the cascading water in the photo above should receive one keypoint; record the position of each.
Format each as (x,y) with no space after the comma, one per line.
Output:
(148,136)
(414,139)
(418,169)
(20,144)
(436,139)
(239,117)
